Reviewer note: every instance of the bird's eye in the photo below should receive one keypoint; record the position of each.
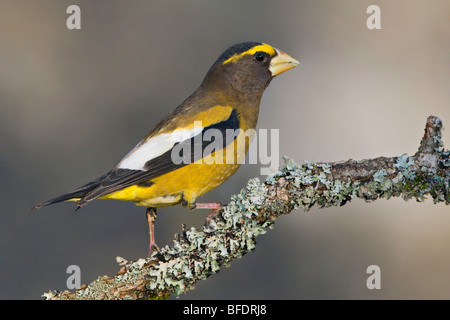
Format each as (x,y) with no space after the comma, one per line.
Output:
(260,56)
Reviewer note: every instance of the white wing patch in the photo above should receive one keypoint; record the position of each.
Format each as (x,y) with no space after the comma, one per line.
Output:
(156,146)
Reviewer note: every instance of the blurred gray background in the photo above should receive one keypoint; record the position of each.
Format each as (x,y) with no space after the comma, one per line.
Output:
(74,102)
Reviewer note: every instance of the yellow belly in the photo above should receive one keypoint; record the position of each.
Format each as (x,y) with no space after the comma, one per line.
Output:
(188,182)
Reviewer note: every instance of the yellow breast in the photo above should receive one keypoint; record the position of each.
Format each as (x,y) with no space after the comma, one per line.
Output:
(190,181)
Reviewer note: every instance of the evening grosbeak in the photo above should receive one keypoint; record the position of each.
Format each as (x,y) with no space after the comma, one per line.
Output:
(175,162)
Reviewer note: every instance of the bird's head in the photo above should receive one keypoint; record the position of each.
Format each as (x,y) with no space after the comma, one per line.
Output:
(249,67)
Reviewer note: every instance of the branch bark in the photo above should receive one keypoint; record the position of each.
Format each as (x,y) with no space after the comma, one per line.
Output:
(197,254)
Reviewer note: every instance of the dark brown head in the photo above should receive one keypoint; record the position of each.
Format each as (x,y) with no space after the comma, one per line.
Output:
(247,68)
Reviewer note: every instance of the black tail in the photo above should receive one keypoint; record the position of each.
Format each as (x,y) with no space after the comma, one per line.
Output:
(78,193)
(114,180)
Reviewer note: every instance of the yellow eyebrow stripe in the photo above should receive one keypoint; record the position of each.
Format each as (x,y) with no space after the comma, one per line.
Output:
(262,47)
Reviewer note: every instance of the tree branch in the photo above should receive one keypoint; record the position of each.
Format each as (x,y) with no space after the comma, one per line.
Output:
(197,254)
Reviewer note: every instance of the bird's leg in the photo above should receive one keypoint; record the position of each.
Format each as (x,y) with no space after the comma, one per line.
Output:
(215,206)
(209,205)
(151,217)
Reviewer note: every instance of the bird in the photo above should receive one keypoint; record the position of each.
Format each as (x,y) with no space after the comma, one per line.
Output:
(178,160)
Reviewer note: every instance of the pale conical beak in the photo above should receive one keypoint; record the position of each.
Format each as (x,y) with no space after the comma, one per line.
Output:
(282,62)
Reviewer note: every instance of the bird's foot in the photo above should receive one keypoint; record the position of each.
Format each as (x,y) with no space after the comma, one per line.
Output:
(209,205)
(215,206)
(153,247)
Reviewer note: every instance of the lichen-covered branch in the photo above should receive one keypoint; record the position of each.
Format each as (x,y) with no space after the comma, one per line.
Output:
(197,254)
